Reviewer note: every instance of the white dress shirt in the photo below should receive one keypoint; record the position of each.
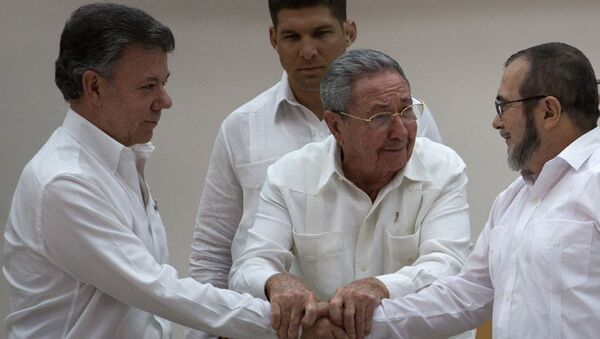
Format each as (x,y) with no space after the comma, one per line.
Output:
(86,254)
(535,269)
(316,224)
(250,139)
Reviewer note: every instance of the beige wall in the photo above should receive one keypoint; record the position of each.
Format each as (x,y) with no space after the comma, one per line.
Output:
(452,52)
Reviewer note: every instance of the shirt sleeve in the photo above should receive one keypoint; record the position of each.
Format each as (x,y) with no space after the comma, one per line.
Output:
(426,125)
(268,245)
(217,219)
(444,240)
(88,238)
(449,306)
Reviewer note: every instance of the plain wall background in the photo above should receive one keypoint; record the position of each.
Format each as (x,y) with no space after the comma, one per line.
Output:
(452,52)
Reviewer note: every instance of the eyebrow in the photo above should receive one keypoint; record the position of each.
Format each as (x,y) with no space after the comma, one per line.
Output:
(500,98)
(292,31)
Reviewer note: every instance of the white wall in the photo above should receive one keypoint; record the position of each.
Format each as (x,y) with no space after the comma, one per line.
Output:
(452,52)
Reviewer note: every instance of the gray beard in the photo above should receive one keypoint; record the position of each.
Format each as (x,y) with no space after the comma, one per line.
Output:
(522,152)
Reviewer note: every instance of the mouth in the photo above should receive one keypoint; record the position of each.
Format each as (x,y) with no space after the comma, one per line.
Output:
(311,69)
(152,122)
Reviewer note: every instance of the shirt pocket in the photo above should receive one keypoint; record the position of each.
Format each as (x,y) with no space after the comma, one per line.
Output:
(400,251)
(252,175)
(319,261)
(497,249)
(560,253)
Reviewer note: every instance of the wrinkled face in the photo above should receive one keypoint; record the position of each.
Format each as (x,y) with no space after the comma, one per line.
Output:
(131,99)
(307,41)
(379,152)
(516,127)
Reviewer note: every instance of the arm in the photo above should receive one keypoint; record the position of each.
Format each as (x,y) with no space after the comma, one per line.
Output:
(449,306)
(264,262)
(88,238)
(444,238)
(218,217)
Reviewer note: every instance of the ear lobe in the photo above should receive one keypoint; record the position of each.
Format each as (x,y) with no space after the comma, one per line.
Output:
(552,112)
(350,31)
(334,122)
(273,36)
(89,82)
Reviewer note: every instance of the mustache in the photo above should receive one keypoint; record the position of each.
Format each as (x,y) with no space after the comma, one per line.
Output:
(504,134)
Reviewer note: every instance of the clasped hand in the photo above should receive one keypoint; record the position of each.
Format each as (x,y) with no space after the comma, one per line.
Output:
(348,314)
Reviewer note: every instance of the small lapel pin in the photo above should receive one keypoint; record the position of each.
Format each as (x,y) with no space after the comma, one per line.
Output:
(396,217)
(155,205)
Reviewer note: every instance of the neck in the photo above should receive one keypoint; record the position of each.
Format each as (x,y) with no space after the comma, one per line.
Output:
(310,100)
(551,146)
(369,184)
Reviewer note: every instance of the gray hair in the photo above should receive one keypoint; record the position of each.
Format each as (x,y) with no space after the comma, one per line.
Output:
(349,67)
(95,37)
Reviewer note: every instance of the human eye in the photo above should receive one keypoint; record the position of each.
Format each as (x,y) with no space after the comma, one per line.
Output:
(380,119)
(148,86)
(290,36)
(321,33)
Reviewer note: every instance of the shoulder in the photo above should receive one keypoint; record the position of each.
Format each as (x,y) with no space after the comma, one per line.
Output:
(436,155)
(263,104)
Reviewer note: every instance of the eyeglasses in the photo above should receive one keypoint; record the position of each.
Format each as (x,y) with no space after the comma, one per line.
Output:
(501,105)
(380,120)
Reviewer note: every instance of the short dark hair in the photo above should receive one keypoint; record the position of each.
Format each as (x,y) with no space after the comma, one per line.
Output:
(562,71)
(94,38)
(351,66)
(337,7)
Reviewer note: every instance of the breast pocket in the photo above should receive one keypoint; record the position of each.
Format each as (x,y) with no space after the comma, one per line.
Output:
(560,253)
(252,177)
(319,261)
(400,251)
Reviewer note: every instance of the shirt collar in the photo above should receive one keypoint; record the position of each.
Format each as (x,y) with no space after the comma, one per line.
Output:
(414,170)
(284,96)
(581,148)
(101,145)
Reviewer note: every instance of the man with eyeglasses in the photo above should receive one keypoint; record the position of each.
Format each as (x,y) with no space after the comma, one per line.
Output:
(535,269)
(371,212)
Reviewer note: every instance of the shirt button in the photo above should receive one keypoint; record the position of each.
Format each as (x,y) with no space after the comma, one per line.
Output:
(507,297)
(311,259)
(363,268)
(257,186)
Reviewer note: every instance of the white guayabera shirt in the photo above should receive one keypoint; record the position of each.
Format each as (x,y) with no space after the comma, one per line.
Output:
(317,224)
(535,268)
(250,139)
(86,255)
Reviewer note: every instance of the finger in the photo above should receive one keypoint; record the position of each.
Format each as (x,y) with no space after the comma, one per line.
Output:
(370,310)
(322,309)
(275,315)
(336,309)
(294,325)
(359,320)
(349,313)
(310,312)
(338,332)
(285,322)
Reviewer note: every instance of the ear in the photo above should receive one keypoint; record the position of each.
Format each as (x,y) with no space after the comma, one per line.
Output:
(273,36)
(90,83)
(335,124)
(350,32)
(552,112)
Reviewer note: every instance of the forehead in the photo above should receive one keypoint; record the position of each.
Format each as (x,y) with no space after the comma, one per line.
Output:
(380,89)
(512,78)
(137,63)
(305,18)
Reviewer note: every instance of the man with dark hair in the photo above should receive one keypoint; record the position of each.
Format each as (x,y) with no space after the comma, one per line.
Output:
(84,247)
(374,212)
(307,36)
(535,269)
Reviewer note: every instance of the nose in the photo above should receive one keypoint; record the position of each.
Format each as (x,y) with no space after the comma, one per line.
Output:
(308,49)
(398,128)
(163,101)
(497,122)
